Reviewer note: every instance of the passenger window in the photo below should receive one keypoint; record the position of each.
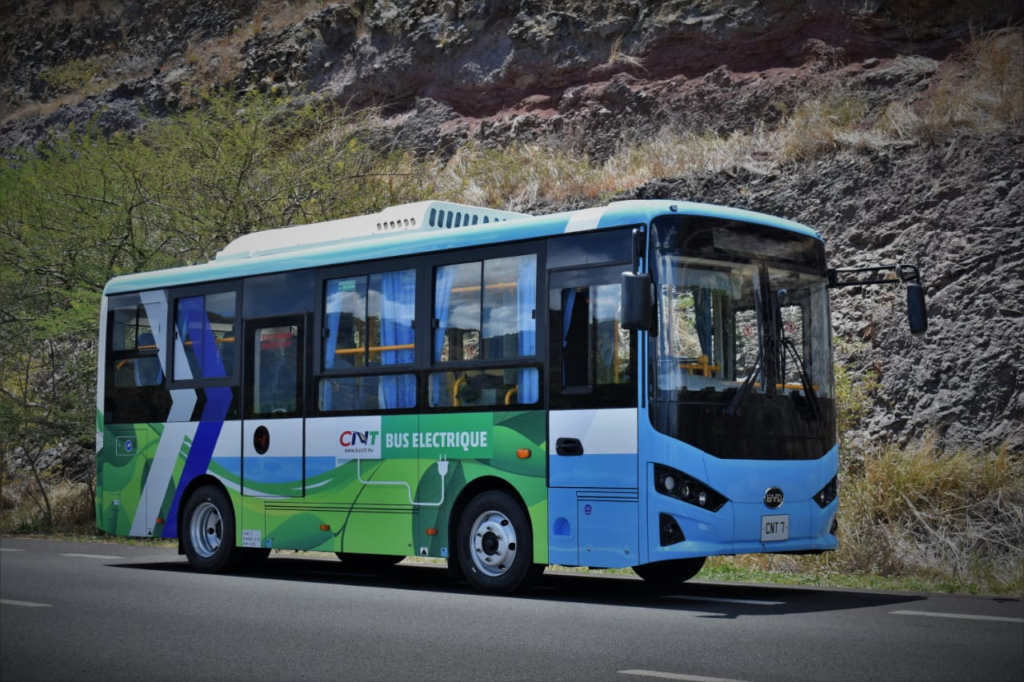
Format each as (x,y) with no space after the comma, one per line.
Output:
(485,388)
(133,346)
(205,330)
(369,320)
(368,325)
(368,393)
(486,310)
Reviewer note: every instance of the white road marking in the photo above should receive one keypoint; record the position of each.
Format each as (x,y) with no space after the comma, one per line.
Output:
(10,549)
(755,602)
(15,602)
(964,616)
(674,676)
(95,556)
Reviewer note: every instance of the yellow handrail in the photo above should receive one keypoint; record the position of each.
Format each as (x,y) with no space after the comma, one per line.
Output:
(455,390)
(374,349)
(701,364)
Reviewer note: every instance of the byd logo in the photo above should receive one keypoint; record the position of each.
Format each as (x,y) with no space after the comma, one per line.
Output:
(350,438)
(773,498)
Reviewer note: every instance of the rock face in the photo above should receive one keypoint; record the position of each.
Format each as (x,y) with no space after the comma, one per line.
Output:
(487,71)
(447,72)
(955,211)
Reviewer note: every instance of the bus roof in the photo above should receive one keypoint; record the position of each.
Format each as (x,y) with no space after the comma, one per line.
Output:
(410,229)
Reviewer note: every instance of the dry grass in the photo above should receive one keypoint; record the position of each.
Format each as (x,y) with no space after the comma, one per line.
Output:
(617,56)
(524,175)
(951,520)
(920,510)
(22,509)
(986,95)
(42,108)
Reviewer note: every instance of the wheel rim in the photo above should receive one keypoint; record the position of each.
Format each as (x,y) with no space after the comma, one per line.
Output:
(207,529)
(494,543)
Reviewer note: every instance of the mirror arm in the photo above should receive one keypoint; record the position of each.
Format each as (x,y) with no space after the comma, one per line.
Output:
(917,314)
(904,273)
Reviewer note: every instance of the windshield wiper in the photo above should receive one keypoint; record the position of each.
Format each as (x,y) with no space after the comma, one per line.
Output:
(809,392)
(733,407)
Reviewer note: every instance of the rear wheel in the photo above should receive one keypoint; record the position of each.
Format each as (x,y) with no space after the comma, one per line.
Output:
(495,544)
(209,525)
(367,562)
(667,574)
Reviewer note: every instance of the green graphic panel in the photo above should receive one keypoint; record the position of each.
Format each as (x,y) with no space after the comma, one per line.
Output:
(122,464)
(400,498)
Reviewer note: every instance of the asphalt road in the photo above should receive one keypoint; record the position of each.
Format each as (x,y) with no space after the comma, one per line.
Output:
(84,611)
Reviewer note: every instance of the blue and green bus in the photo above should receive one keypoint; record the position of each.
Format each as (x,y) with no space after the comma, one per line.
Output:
(644,384)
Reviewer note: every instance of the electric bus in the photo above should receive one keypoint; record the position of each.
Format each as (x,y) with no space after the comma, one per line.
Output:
(644,384)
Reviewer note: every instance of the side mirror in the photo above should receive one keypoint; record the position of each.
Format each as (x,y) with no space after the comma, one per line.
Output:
(917,313)
(636,301)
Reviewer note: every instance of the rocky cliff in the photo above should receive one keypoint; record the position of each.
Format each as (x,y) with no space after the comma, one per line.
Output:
(603,75)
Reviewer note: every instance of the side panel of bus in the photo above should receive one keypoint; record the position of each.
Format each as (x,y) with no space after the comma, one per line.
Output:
(229,383)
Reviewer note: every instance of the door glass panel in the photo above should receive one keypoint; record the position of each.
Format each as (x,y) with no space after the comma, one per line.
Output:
(276,371)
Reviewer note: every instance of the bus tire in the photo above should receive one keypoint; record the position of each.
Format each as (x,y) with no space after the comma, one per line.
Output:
(209,531)
(367,562)
(495,544)
(672,573)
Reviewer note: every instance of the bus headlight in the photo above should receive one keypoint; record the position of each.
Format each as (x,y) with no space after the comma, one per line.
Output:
(825,496)
(673,483)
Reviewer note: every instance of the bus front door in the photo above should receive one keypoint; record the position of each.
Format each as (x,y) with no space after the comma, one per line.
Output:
(592,425)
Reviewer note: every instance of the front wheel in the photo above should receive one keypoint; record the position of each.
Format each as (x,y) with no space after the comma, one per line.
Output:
(668,574)
(209,525)
(495,544)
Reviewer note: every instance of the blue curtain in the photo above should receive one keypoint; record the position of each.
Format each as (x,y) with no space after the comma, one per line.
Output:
(213,365)
(194,326)
(526,303)
(442,308)
(398,305)
(568,302)
(189,316)
(331,342)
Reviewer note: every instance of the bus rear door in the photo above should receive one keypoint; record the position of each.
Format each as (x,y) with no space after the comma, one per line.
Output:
(272,429)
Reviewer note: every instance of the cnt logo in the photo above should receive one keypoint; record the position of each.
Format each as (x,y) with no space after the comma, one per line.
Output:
(351,438)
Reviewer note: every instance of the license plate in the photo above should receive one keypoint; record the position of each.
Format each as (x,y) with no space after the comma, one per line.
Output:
(775,528)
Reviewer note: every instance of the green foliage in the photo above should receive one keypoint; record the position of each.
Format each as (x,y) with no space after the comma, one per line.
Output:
(855,395)
(78,210)
(72,75)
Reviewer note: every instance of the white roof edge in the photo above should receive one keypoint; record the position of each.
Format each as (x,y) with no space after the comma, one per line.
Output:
(422,216)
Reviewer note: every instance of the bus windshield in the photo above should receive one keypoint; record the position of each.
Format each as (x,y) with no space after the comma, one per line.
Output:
(742,358)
